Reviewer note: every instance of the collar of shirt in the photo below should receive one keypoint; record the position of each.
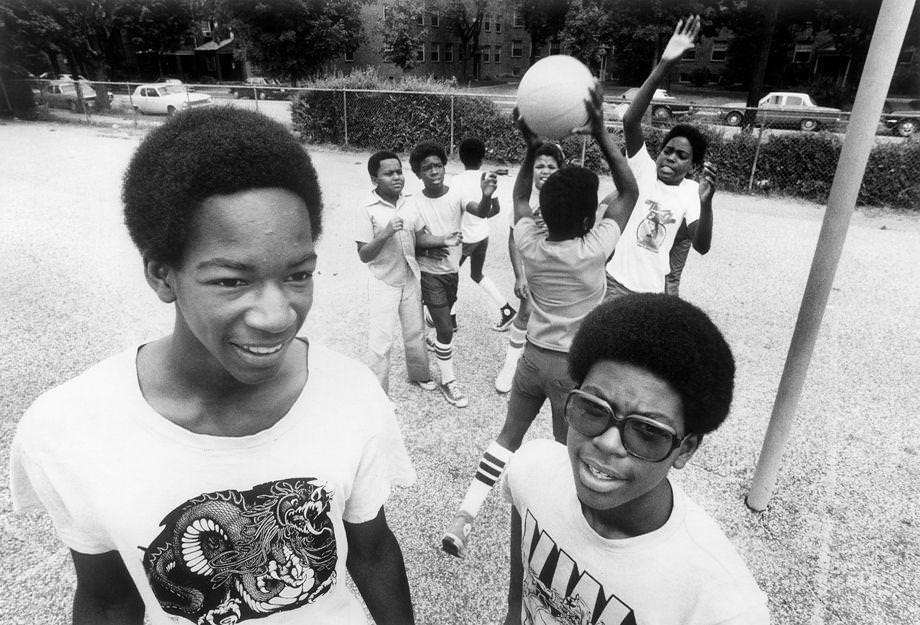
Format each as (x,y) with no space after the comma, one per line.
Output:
(373,198)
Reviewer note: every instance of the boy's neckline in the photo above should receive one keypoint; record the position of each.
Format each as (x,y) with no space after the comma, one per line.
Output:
(444,189)
(607,532)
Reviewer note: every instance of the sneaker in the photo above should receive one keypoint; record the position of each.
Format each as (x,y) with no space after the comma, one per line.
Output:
(505,376)
(428,320)
(425,385)
(429,344)
(453,322)
(507,317)
(457,535)
(453,394)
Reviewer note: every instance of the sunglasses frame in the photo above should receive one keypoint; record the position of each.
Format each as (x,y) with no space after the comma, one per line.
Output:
(619,423)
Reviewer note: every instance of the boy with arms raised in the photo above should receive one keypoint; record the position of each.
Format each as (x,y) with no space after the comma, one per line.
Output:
(666,197)
(387,246)
(439,209)
(230,471)
(599,534)
(564,264)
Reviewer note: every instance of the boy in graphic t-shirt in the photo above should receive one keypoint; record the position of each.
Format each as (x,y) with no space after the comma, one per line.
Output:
(667,198)
(599,533)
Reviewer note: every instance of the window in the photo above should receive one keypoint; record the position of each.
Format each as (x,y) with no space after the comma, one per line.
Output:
(684,78)
(719,51)
(555,47)
(486,54)
(496,54)
(448,53)
(420,18)
(802,53)
(498,23)
(435,53)
(205,27)
(436,19)
(794,100)
(517,49)
(487,23)
(516,20)
(349,56)
(420,54)
(689,55)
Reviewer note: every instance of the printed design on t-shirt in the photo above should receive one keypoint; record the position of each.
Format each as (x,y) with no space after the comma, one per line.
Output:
(653,229)
(230,556)
(556,592)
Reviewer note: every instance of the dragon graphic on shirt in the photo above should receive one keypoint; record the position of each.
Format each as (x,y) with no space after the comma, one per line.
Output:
(229,556)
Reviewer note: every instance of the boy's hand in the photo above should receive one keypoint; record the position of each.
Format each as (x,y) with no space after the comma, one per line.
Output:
(683,39)
(708,182)
(488,183)
(594,104)
(520,288)
(452,239)
(394,225)
(530,138)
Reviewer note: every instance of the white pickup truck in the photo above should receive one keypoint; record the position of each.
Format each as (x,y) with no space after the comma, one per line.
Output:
(785,109)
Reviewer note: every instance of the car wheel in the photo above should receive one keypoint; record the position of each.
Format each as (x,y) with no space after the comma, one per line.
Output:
(261,95)
(171,110)
(734,118)
(137,109)
(808,125)
(236,95)
(906,127)
(661,113)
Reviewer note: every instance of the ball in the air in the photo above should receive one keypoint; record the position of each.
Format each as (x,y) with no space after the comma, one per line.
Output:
(552,93)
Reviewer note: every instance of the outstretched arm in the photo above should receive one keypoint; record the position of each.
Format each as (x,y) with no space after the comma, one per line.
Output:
(425,239)
(524,181)
(683,39)
(487,205)
(701,230)
(619,205)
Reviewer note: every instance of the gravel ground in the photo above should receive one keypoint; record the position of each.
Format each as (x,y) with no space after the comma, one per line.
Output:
(838,543)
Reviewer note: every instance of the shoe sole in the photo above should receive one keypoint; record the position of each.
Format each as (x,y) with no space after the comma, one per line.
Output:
(452,546)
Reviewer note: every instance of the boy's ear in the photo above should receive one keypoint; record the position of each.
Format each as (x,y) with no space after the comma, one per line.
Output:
(687,449)
(159,277)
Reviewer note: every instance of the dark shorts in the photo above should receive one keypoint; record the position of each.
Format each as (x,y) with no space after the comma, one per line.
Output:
(476,252)
(541,374)
(439,290)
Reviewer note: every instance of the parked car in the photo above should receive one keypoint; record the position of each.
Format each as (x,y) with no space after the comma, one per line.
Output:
(785,109)
(63,94)
(903,122)
(167,80)
(261,88)
(664,106)
(165,99)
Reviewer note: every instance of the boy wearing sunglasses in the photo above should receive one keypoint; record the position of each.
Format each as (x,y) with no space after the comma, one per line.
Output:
(598,532)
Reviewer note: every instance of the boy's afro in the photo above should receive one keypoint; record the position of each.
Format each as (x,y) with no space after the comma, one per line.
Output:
(202,153)
(698,142)
(422,151)
(668,337)
(568,197)
(471,151)
(552,150)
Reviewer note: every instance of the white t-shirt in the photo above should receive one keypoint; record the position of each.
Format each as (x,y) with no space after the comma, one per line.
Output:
(468,185)
(685,572)
(249,525)
(441,215)
(565,279)
(641,259)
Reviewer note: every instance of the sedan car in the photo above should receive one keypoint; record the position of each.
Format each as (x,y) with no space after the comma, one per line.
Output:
(664,106)
(63,94)
(785,109)
(903,120)
(166,99)
(261,88)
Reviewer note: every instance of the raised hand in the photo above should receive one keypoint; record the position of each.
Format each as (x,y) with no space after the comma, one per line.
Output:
(488,183)
(594,104)
(683,39)
(707,182)
(530,137)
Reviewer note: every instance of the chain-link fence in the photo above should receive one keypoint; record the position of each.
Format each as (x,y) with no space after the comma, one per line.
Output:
(794,153)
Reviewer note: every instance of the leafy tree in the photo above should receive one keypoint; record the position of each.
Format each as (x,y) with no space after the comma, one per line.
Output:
(292,38)
(402,36)
(588,33)
(543,20)
(465,18)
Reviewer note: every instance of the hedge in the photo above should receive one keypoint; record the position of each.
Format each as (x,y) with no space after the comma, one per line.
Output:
(795,164)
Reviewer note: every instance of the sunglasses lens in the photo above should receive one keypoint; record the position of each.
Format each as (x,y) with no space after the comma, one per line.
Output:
(646,440)
(585,416)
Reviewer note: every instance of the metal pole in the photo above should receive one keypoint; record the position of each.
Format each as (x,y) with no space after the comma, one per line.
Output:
(756,156)
(584,145)
(451,124)
(6,97)
(345,113)
(887,39)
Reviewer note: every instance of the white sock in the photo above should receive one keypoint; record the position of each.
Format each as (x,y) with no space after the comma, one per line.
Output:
(491,466)
(492,291)
(445,355)
(516,340)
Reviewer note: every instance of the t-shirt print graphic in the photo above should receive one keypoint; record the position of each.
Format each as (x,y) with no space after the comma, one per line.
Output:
(653,230)
(230,556)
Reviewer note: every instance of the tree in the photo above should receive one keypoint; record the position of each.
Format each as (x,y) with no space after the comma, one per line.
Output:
(402,36)
(292,38)
(466,17)
(543,20)
(588,33)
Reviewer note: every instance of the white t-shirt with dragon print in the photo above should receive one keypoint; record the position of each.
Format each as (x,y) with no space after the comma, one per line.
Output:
(641,259)
(212,527)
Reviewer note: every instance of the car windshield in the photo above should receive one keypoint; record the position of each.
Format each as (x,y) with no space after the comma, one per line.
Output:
(171,89)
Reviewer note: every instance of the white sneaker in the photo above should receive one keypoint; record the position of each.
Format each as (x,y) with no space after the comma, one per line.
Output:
(506,376)
(453,394)
(426,385)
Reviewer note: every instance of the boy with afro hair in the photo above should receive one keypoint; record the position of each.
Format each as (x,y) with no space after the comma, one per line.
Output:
(230,470)
(668,200)
(599,534)
(564,265)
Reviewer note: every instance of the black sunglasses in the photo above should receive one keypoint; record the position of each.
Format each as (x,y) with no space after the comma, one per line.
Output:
(643,437)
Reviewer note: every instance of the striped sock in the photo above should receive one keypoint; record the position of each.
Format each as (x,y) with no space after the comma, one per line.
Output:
(516,337)
(445,355)
(491,466)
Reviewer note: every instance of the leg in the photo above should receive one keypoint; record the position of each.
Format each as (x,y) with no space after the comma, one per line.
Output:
(383,312)
(558,384)
(413,329)
(516,340)
(439,292)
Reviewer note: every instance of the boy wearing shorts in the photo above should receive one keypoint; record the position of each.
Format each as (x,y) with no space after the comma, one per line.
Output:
(231,470)
(599,533)
(438,211)
(387,247)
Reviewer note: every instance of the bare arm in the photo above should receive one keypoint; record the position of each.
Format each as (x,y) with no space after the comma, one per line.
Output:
(106,594)
(376,565)
(425,239)
(524,181)
(517,266)
(682,40)
(701,230)
(368,251)
(516,581)
(487,205)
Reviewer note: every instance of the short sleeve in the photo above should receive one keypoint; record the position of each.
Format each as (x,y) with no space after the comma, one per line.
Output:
(384,464)
(643,166)
(602,238)
(525,234)
(364,227)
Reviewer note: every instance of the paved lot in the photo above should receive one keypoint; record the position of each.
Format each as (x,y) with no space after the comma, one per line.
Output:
(838,544)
